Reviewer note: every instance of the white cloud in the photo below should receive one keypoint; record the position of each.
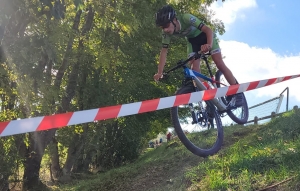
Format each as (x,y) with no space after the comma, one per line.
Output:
(230,10)
(252,63)
(256,63)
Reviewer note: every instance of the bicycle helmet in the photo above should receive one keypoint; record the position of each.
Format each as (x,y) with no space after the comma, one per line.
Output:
(165,15)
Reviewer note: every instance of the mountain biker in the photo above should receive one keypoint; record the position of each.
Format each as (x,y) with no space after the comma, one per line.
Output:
(199,38)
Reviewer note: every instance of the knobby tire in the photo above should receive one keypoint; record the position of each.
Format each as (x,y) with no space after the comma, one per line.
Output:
(185,140)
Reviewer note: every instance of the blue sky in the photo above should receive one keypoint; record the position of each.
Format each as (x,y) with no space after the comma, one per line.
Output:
(262,41)
(271,24)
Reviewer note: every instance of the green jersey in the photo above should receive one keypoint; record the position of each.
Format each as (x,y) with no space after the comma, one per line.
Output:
(188,25)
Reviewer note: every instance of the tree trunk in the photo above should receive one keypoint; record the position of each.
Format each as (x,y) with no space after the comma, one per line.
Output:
(75,149)
(64,65)
(83,162)
(33,160)
(55,167)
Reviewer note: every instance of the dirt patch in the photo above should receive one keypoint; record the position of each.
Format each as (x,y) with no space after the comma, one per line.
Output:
(162,175)
(162,170)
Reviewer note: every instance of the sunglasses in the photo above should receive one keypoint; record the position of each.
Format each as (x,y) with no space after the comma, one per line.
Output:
(165,26)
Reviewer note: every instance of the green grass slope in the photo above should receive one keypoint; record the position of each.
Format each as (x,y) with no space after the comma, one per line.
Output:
(264,157)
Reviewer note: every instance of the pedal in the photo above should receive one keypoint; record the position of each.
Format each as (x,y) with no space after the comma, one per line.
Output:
(231,104)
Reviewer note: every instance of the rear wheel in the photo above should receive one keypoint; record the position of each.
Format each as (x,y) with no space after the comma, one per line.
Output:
(240,114)
(198,125)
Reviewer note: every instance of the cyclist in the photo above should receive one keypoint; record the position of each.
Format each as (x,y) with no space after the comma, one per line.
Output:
(199,38)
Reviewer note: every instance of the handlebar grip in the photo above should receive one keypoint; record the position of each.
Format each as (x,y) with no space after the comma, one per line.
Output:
(164,77)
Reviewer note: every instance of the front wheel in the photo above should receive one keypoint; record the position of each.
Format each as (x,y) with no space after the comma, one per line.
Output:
(198,125)
(240,114)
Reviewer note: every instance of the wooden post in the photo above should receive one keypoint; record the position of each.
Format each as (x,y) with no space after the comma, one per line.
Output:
(255,120)
(296,109)
(273,115)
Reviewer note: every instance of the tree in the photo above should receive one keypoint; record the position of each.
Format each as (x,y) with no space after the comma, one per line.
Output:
(63,55)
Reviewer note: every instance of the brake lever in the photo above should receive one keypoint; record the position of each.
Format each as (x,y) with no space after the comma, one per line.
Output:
(164,77)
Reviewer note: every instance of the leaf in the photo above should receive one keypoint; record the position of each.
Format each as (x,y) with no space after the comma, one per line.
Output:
(78,4)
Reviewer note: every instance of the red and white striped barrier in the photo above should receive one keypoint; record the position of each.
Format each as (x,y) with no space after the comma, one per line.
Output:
(72,118)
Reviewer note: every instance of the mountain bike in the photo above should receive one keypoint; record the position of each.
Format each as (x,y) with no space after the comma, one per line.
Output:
(198,125)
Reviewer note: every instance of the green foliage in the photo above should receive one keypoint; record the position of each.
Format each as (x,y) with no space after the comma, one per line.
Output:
(70,55)
(10,160)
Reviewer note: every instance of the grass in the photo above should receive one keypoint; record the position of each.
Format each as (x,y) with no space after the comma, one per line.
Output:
(264,157)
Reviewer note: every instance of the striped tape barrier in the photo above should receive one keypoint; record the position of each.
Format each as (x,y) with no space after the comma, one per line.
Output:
(72,118)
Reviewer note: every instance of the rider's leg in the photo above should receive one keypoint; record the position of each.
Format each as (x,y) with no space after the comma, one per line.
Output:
(218,60)
(195,64)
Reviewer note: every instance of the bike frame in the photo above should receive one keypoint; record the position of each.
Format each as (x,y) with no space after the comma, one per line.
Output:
(188,73)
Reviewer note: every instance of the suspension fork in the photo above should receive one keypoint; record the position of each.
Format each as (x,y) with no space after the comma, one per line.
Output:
(195,118)
(195,113)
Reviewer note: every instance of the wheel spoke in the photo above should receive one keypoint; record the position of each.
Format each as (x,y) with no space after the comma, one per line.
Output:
(201,139)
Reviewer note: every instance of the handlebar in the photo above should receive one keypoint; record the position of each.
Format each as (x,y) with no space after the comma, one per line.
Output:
(182,63)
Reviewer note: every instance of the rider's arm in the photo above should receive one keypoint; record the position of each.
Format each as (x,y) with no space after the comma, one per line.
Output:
(163,55)
(162,60)
(209,34)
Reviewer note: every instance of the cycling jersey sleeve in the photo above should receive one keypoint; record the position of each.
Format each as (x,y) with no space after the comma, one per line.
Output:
(192,20)
(165,39)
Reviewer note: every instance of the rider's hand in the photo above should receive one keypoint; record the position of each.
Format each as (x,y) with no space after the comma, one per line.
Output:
(157,76)
(205,48)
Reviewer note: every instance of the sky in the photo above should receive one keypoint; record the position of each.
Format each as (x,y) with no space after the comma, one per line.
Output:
(261,42)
